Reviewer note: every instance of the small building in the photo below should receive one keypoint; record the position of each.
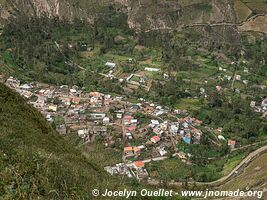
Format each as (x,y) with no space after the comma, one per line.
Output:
(83,133)
(25,87)
(129,136)
(154,122)
(131,151)
(231,143)
(237,77)
(162,151)
(252,104)
(155,139)
(97,116)
(264,103)
(52,108)
(119,115)
(174,129)
(219,88)
(187,138)
(138,164)
(110,64)
(106,120)
(152,69)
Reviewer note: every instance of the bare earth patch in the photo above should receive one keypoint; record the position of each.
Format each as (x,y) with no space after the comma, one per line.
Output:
(258,24)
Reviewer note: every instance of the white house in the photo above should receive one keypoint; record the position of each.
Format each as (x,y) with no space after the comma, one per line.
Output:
(106,120)
(152,69)
(110,64)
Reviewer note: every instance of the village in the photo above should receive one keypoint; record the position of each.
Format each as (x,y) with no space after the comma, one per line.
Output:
(148,132)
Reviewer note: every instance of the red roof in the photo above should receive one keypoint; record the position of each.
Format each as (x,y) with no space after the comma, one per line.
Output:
(128,117)
(231,142)
(131,128)
(139,164)
(155,138)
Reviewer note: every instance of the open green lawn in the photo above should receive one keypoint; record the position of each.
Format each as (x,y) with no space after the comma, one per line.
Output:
(189,104)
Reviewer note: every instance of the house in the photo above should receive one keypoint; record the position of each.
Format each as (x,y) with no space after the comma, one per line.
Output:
(119,115)
(67,101)
(106,120)
(52,108)
(160,112)
(129,136)
(154,122)
(61,129)
(49,118)
(162,151)
(25,87)
(131,128)
(131,151)
(158,131)
(149,109)
(96,94)
(83,133)
(110,64)
(187,138)
(174,129)
(127,119)
(73,91)
(138,164)
(76,101)
(97,116)
(218,88)
(135,107)
(220,137)
(185,125)
(197,122)
(130,60)
(237,77)
(155,139)
(12,82)
(264,103)
(102,130)
(252,104)
(231,143)
(152,69)
(134,121)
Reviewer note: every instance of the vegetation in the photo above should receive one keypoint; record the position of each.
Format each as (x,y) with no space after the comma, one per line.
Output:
(58,51)
(36,162)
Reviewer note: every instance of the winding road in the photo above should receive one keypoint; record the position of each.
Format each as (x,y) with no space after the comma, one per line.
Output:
(223,179)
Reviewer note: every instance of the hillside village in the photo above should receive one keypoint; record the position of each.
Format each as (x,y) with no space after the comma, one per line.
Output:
(148,132)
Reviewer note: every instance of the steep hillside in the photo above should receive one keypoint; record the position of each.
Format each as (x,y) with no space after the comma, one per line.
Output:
(144,15)
(36,162)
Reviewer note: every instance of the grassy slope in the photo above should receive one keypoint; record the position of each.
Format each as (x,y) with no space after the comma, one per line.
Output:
(37,162)
(253,175)
(242,11)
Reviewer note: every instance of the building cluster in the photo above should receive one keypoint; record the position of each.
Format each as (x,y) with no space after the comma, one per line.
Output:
(147,132)
(261,108)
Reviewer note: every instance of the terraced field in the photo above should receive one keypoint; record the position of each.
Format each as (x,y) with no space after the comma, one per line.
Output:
(256,5)
(242,11)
